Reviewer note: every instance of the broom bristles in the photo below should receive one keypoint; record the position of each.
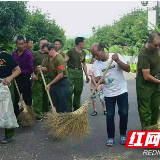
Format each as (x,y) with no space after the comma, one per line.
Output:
(155,127)
(27,116)
(74,124)
(25,119)
(31,112)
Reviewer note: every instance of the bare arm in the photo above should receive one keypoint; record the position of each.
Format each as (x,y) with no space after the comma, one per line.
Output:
(124,66)
(98,78)
(66,58)
(93,80)
(148,77)
(85,71)
(34,77)
(44,69)
(15,73)
(58,77)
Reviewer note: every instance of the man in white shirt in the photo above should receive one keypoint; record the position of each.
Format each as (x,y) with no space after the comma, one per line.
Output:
(115,89)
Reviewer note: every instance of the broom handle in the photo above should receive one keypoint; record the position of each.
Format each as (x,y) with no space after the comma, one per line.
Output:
(106,70)
(21,99)
(18,90)
(39,71)
(46,90)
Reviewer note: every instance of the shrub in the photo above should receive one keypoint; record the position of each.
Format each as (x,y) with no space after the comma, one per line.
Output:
(88,60)
(116,49)
(133,67)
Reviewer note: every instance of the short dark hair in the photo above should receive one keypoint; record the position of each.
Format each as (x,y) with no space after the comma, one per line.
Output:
(152,36)
(79,40)
(57,40)
(19,38)
(100,47)
(28,39)
(49,46)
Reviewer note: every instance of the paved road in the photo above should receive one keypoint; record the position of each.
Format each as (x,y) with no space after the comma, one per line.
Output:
(33,143)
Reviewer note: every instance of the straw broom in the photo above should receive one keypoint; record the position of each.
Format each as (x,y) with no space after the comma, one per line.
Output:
(54,115)
(73,124)
(27,116)
(155,127)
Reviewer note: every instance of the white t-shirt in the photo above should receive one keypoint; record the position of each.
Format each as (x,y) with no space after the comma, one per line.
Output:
(115,81)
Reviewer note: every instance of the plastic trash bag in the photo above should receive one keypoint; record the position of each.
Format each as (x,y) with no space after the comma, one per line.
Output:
(7,116)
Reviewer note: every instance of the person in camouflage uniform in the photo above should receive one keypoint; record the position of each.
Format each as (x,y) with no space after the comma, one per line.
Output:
(39,94)
(58,46)
(75,59)
(59,86)
(147,83)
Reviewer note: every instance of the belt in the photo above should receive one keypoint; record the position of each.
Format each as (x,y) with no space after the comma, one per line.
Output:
(75,68)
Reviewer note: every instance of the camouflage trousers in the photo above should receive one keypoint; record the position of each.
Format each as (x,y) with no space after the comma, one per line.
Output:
(148,99)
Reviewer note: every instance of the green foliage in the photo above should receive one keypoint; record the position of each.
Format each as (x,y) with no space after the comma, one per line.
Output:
(130,30)
(89,60)
(65,51)
(131,51)
(70,43)
(87,52)
(104,35)
(133,67)
(36,46)
(39,26)
(13,17)
(9,47)
(117,49)
(125,36)
(89,42)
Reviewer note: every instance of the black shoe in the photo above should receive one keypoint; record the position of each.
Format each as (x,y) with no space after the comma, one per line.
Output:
(105,112)
(94,113)
(39,119)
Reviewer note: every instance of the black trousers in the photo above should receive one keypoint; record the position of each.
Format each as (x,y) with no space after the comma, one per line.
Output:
(24,86)
(122,102)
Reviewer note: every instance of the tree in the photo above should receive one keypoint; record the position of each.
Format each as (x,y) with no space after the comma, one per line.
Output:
(89,42)
(39,26)
(130,30)
(104,35)
(12,19)
(70,43)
